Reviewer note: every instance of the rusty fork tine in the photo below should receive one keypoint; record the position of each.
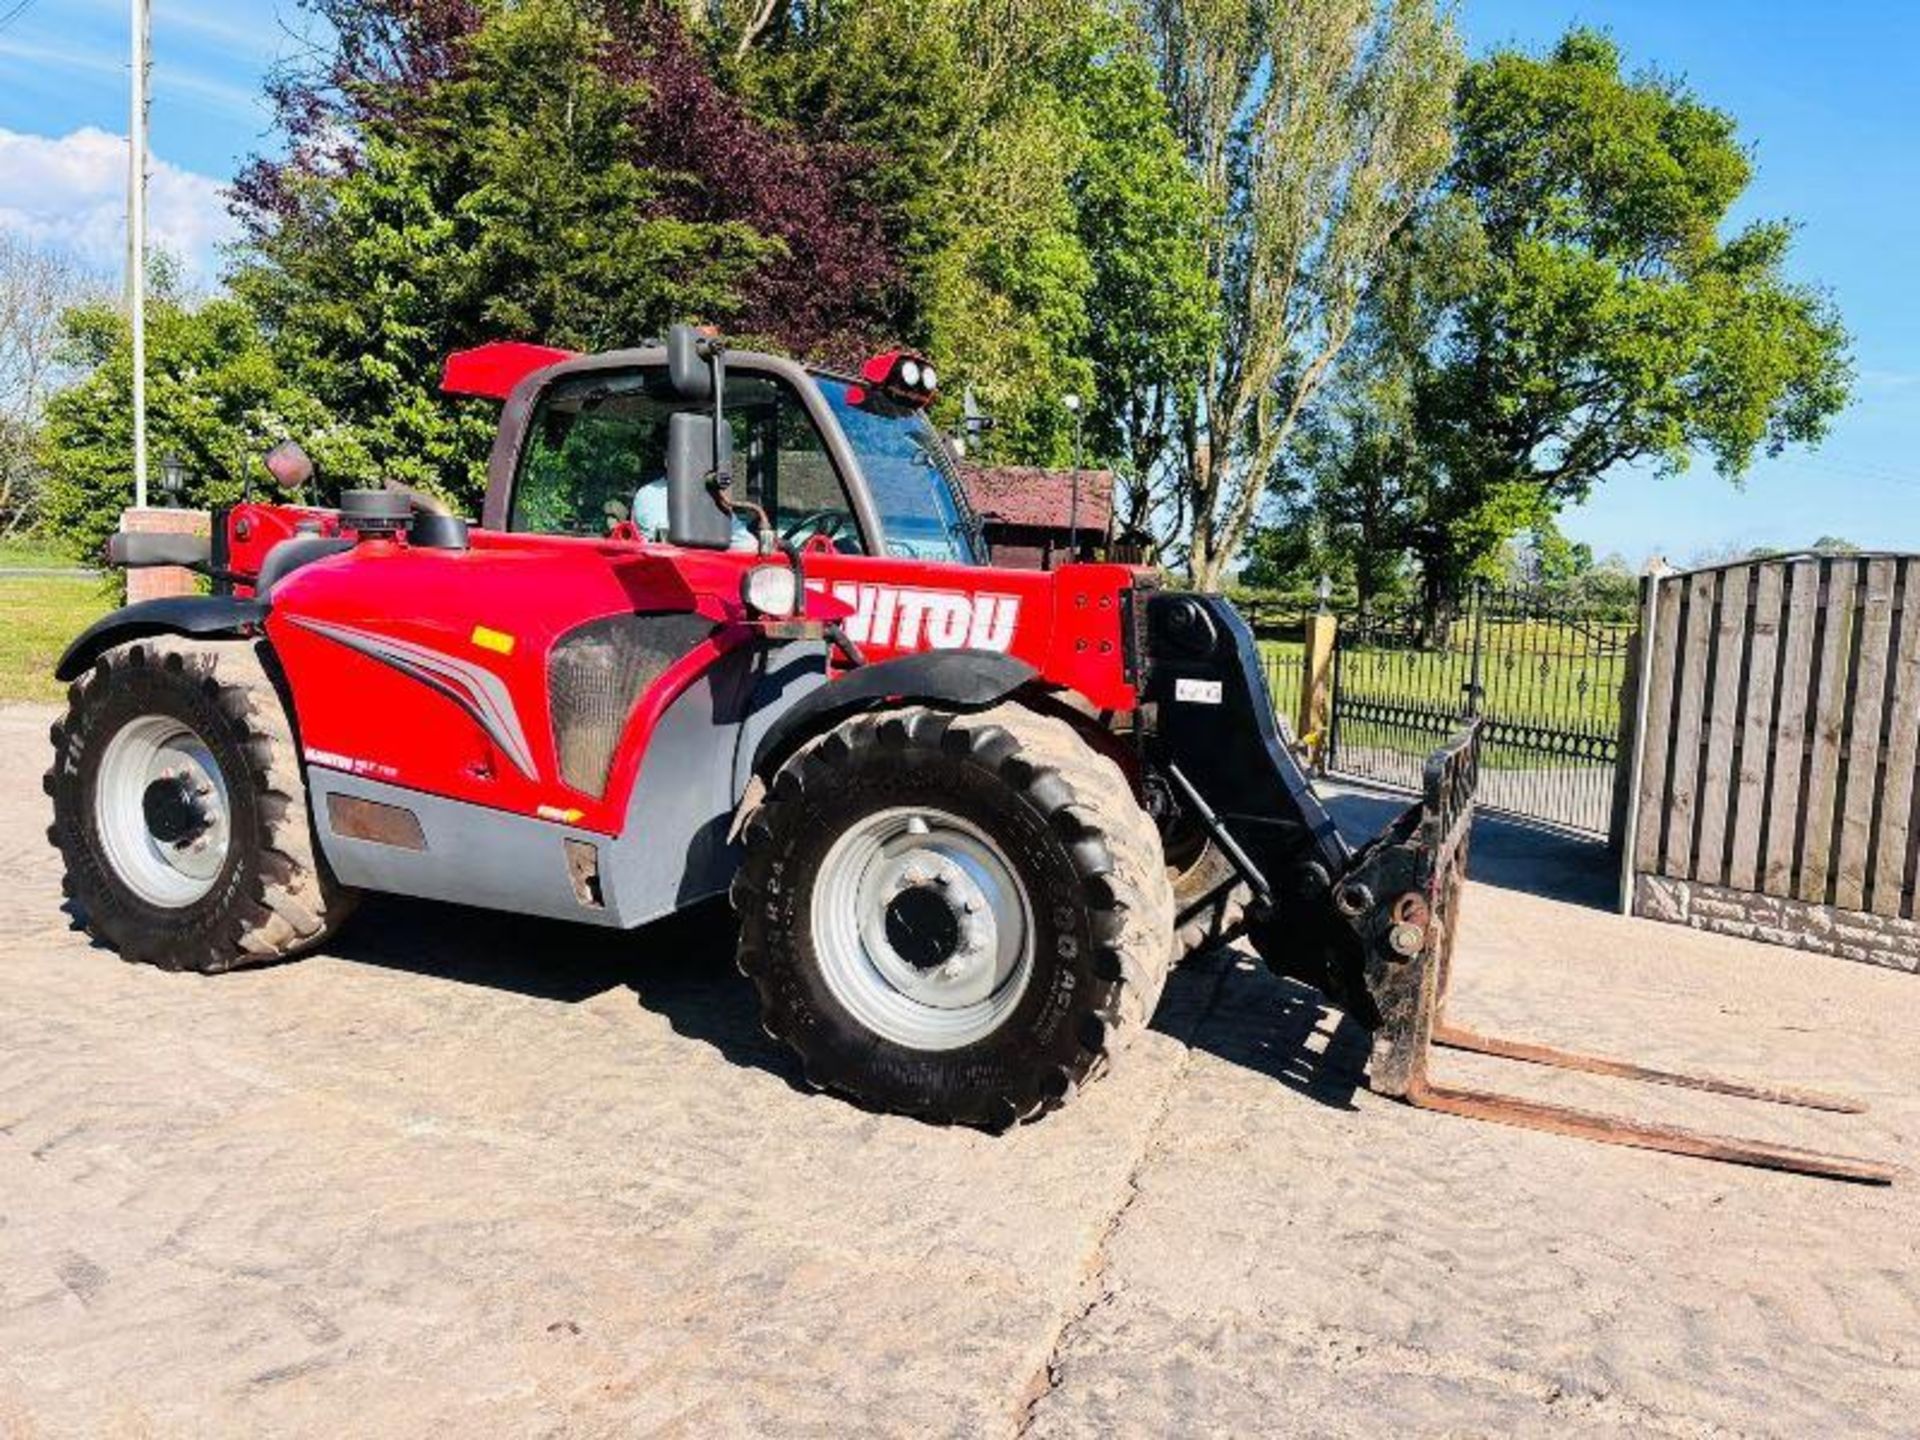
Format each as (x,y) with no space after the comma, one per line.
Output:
(1459,1037)
(1641,1135)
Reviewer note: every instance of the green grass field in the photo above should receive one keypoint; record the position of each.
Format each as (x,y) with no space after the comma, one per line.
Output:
(1515,689)
(38,616)
(29,554)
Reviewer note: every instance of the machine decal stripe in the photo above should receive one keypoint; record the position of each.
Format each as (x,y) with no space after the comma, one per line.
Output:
(479,692)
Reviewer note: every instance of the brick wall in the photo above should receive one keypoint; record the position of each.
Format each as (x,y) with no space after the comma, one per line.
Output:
(1850,934)
(163,579)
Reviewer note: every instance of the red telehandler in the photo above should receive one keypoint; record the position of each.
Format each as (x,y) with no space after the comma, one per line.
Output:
(727,626)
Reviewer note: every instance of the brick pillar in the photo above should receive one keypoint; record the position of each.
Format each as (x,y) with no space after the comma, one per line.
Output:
(163,579)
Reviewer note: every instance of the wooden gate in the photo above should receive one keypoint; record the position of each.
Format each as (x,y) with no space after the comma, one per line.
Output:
(1774,791)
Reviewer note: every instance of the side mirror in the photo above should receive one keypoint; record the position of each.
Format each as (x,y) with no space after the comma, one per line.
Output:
(289,466)
(688,370)
(694,516)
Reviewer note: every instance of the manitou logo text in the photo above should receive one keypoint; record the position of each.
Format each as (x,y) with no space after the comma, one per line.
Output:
(894,617)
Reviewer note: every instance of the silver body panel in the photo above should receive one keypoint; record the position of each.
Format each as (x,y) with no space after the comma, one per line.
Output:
(673,849)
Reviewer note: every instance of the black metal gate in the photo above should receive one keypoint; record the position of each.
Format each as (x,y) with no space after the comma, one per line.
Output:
(1542,669)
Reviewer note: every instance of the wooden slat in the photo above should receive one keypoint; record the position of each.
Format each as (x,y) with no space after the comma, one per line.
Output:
(1790,734)
(1903,755)
(1863,737)
(1756,737)
(1829,716)
(1662,666)
(1686,733)
(1715,788)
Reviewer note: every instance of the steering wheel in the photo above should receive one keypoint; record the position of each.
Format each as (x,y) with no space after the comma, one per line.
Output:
(825,524)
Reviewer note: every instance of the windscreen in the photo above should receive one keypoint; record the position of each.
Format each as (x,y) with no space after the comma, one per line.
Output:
(910,472)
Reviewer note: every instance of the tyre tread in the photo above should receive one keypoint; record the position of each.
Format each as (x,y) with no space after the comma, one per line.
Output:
(1088,801)
(294,904)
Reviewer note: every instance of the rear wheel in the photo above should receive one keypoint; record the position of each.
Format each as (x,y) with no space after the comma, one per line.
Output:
(1209,897)
(181,813)
(957,917)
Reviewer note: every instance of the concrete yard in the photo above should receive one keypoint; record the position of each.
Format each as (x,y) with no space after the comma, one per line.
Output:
(468,1175)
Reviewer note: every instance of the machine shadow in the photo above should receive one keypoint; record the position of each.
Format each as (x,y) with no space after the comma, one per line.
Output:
(680,968)
(1508,853)
(1227,1004)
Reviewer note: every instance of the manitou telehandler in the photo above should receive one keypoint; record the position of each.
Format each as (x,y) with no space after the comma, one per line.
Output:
(727,624)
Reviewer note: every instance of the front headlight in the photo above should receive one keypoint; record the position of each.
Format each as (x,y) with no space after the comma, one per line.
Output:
(770,590)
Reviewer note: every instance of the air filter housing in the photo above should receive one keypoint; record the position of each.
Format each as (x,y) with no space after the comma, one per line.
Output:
(597,673)
(375,513)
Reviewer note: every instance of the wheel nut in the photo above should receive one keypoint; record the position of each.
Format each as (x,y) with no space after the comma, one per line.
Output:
(1406,939)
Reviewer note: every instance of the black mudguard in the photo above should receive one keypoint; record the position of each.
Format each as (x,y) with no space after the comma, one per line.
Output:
(198,615)
(961,680)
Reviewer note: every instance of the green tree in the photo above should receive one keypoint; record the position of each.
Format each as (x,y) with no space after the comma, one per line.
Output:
(1153,312)
(1314,128)
(1050,229)
(37,286)
(1596,316)
(217,397)
(504,200)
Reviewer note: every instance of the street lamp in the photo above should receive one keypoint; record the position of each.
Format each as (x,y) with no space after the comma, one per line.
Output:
(1324,589)
(1072,402)
(173,478)
(974,423)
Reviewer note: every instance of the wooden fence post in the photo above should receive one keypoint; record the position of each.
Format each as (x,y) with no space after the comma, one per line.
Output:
(1316,686)
(1630,766)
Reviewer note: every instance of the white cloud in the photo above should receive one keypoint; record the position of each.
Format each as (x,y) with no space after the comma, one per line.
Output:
(71,193)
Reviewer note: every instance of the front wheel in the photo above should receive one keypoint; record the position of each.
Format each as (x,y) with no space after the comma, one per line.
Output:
(956,917)
(180,810)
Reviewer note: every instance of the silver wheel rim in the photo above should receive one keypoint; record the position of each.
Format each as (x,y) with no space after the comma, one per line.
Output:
(161,808)
(907,874)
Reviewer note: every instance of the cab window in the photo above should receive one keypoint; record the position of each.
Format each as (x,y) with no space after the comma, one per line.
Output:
(595,456)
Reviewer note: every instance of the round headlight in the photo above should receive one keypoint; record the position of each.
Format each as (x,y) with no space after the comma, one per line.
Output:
(769,590)
(910,373)
(928,378)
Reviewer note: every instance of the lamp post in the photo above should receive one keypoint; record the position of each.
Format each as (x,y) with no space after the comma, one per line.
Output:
(1072,402)
(974,424)
(137,245)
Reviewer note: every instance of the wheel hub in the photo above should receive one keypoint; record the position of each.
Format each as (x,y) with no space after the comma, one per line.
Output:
(922,929)
(174,811)
(162,811)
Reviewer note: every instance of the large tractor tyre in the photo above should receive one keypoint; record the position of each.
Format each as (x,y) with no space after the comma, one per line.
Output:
(179,808)
(1209,898)
(959,917)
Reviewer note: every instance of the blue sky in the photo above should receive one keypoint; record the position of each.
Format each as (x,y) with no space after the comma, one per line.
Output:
(1827,96)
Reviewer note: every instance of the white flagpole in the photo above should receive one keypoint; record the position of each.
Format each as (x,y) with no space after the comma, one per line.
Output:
(137,248)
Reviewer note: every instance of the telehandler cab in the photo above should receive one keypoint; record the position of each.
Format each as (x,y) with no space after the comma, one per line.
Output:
(727,625)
